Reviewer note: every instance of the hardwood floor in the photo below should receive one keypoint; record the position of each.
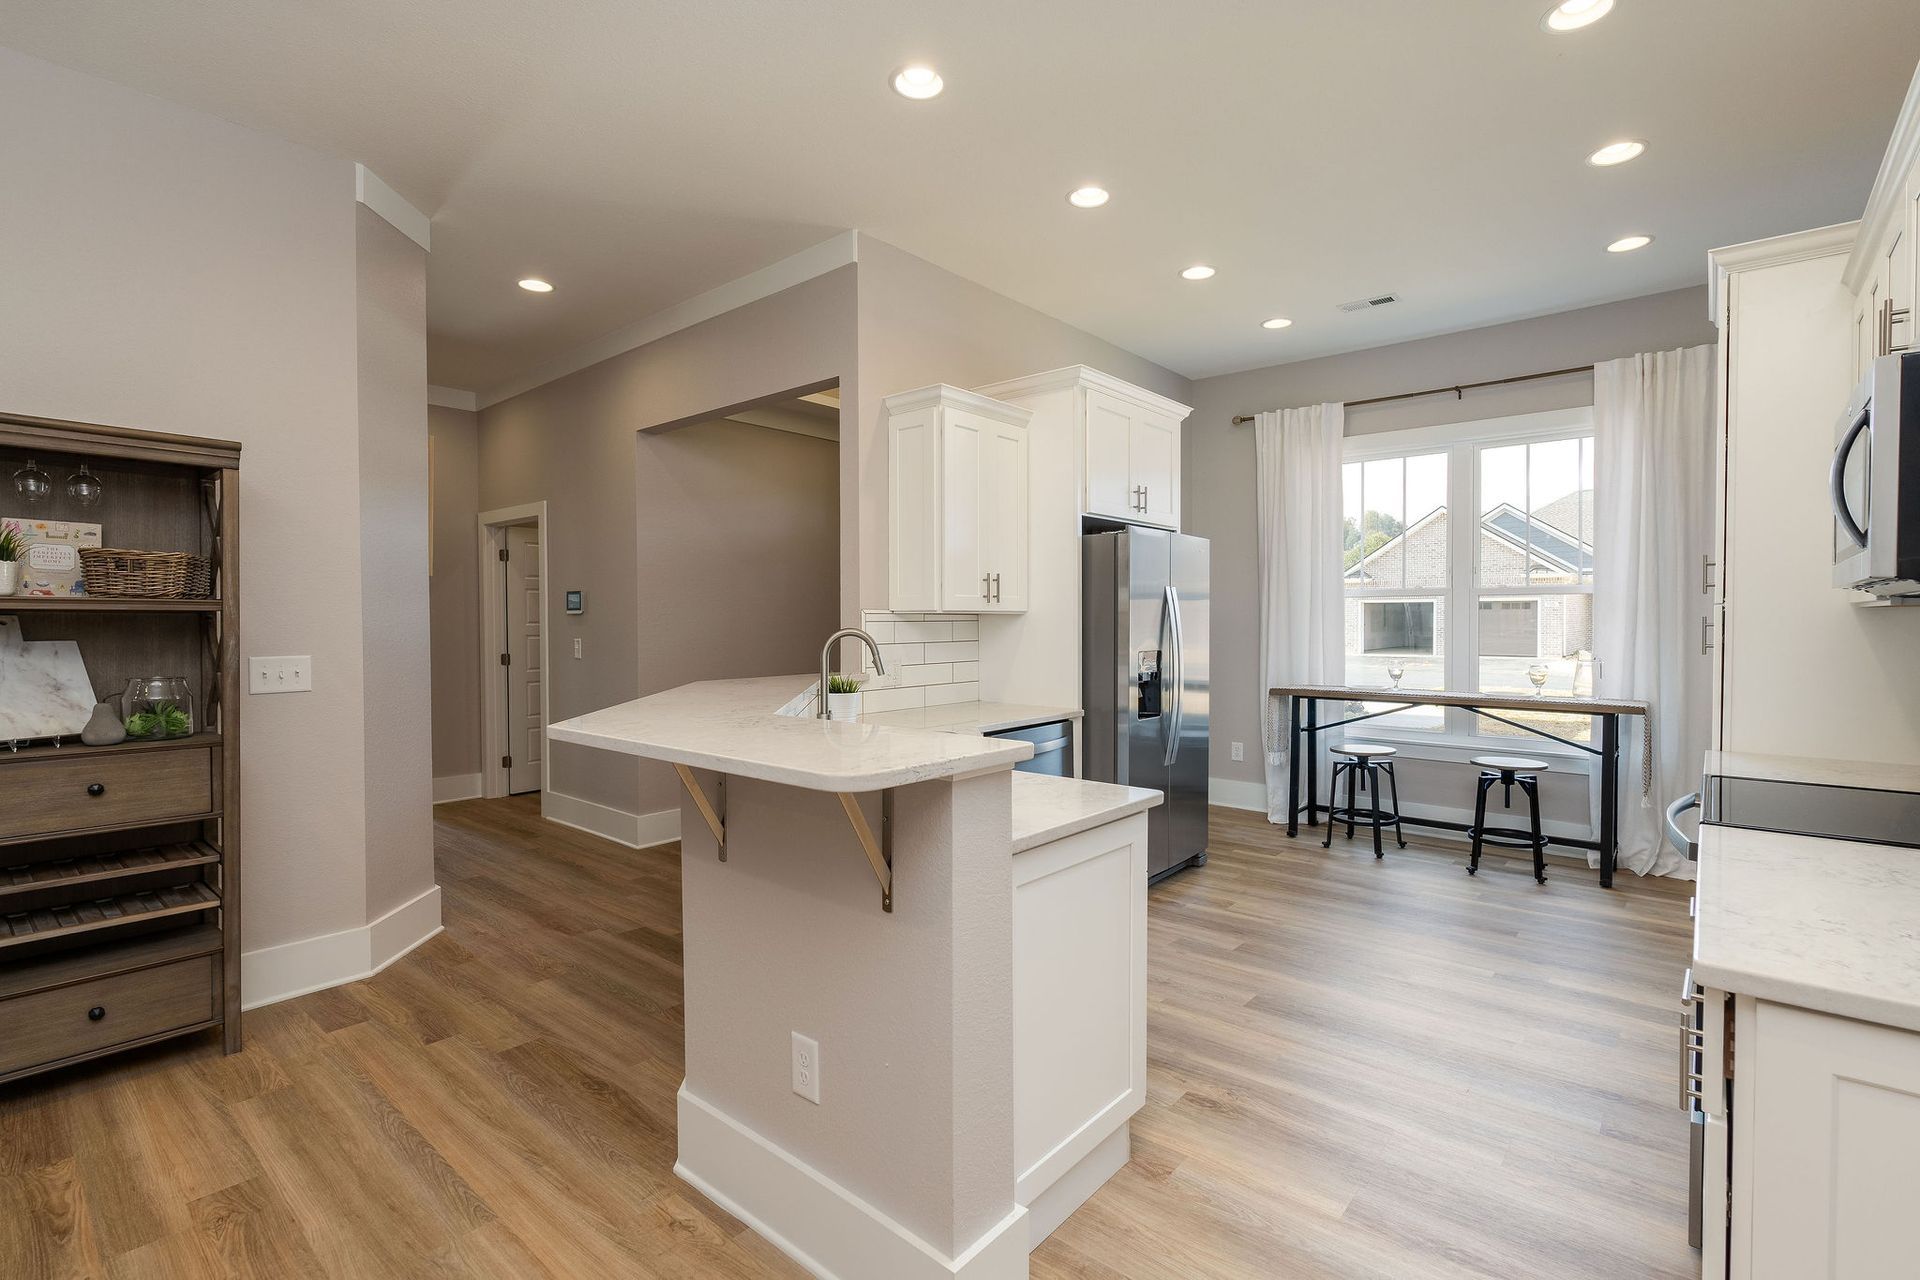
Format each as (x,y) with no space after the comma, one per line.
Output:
(1356,1069)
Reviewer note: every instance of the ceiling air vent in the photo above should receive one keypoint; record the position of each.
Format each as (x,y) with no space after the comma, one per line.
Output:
(1368,304)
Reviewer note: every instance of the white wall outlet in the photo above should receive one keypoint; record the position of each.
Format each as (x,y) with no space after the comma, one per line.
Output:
(280,675)
(1239,751)
(576,646)
(806,1068)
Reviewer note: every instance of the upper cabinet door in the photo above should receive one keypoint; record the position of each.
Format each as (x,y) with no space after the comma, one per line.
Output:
(1109,489)
(1003,507)
(1153,458)
(966,536)
(1899,324)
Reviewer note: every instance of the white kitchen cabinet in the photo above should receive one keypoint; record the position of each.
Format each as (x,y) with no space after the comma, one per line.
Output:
(1132,466)
(1883,273)
(957,502)
(1827,1147)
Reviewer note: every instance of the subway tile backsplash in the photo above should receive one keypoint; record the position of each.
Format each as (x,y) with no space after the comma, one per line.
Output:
(932,659)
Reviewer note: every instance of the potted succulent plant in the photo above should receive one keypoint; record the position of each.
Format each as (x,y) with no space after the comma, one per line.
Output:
(843,697)
(13,545)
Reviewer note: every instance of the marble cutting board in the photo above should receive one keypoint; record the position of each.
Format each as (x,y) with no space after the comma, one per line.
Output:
(44,689)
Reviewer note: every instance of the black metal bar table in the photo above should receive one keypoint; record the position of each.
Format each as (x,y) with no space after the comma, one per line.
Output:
(1303,726)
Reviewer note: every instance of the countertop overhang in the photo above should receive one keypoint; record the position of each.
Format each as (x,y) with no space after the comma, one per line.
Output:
(732,726)
(1046,808)
(1829,925)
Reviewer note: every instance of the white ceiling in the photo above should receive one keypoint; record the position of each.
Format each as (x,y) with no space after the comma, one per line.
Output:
(639,152)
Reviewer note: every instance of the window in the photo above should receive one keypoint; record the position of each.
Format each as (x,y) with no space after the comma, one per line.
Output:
(1520,574)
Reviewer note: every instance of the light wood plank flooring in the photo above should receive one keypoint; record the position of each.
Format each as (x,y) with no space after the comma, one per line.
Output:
(1356,1069)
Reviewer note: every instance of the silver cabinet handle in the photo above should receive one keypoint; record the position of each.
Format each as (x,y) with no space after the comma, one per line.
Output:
(996,588)
(1706,575)
(1706,633)
(986,587)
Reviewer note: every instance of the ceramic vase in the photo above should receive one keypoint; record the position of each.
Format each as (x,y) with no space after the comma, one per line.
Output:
(9,577)
(843,706)
(104,726)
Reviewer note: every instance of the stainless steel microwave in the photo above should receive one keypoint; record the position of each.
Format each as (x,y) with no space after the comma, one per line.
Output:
(1875,482)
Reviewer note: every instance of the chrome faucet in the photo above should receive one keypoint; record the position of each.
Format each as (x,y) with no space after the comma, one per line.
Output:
(826,660)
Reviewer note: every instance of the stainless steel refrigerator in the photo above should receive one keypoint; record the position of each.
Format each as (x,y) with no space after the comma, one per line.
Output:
(1144,679)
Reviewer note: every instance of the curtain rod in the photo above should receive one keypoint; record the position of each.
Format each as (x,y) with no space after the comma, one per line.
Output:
(1457,389)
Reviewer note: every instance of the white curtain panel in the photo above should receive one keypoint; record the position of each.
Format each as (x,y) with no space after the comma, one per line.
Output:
(1653,463)
(1301,641)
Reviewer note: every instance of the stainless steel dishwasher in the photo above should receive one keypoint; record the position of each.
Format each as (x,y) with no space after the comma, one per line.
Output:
(1052,747)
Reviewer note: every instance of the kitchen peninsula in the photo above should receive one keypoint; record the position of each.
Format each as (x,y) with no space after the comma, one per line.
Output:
(915,993)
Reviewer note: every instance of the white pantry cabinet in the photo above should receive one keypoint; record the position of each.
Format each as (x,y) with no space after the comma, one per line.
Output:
(1826,1163)
(957,502)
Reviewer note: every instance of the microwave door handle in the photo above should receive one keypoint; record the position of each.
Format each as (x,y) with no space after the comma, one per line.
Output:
(1177,663)
(1837,481)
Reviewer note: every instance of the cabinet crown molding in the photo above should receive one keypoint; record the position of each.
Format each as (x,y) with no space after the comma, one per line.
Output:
(1080,375)
(955,398)
(1775,251)
(1883,205)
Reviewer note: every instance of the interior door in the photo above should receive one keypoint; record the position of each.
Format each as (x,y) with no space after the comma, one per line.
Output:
(964,546)
(1003,504)
(1109,427)
(526,735)
(1153,465)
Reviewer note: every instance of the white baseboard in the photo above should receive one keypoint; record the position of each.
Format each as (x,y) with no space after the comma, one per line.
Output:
(635,830)
(273,974)
(817,1222)
(456,786)
(1232,793)
(1074,1187)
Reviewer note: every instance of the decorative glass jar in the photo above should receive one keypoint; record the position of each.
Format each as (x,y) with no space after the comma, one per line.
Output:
(159,707)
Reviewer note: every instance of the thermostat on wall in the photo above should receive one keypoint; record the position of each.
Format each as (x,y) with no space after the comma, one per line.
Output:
(576,602)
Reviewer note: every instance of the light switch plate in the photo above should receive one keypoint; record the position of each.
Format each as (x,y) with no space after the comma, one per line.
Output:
(280,675)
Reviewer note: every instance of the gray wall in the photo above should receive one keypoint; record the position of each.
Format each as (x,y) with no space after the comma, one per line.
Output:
(454,592)
(1218,457)
(171,271)
(920,324)
(398,711)
(574,443)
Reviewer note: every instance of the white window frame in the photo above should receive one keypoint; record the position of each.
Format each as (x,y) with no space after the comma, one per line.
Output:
(1461,442)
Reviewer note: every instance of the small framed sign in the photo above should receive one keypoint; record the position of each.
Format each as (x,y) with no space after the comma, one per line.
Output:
(576,602)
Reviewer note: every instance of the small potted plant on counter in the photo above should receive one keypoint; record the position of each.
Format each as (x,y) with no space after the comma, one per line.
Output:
(843,697)
(13,545)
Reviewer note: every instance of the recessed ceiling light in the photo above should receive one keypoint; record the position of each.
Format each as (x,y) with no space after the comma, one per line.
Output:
(1197,273)
(1627,244)
(1088,197)
(918,82)
(1278,322)
(1571,15)
(1617,153)
(533,284)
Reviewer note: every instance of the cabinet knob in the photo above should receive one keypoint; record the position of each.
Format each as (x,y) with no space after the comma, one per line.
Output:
(96,1013)
(96,788)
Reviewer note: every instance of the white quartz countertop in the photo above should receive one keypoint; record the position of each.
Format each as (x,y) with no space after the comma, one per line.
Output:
(732,726)
(1826,773)
(971,717)
(1046,808)
(1830,925)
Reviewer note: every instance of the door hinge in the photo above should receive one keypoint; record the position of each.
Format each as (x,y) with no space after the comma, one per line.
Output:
(506,762)
(503,555)
(506,659)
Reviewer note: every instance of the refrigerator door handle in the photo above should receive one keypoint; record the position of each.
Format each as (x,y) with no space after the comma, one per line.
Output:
(1174,681)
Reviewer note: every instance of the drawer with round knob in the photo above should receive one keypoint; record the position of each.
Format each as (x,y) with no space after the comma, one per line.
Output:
(71,1021)
(90,790)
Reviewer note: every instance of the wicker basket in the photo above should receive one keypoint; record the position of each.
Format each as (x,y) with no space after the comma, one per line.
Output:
(112,572)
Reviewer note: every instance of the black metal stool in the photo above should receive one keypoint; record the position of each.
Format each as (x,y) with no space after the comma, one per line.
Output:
(1366,763)
(1506,771)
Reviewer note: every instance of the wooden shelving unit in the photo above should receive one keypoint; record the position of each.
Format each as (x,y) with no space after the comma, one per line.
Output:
(120,865)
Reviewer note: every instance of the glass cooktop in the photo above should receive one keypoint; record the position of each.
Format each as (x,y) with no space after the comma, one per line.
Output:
(1802,808)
